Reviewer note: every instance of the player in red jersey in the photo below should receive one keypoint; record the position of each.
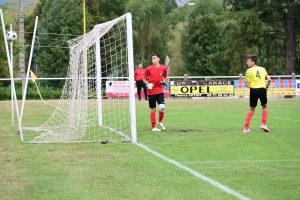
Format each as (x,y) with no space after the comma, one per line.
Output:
(155,79)
(139,74)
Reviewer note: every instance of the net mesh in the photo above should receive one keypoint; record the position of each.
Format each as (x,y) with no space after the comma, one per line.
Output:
(82,115)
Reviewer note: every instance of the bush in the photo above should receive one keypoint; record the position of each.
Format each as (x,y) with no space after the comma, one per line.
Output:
(5,93)
(32,92)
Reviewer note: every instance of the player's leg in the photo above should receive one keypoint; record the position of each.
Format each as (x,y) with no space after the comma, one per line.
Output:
(138,87)
(161,105)
(152,106)
(145,91)
(253,104)
(264,114)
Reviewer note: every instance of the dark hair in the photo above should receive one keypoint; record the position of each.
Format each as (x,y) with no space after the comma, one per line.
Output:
(156,55)
(253,58)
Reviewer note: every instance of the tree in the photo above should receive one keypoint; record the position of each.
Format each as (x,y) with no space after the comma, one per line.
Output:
(201,38)
(30,19)
(241,34)
(111,9)
(59,21)
(57,26)
(283,18)
(150,28)
(177,20)
(4,71)
(170,5)
(9,18)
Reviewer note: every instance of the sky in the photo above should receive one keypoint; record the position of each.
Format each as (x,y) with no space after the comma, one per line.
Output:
(16,1)
(182,2)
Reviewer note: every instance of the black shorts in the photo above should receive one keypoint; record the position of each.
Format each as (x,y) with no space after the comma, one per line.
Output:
(258,93)
(159,98)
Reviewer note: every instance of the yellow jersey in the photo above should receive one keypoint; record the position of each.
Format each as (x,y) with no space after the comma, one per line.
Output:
(256,76)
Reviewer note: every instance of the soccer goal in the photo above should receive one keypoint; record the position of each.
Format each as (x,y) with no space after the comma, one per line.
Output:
(100,60)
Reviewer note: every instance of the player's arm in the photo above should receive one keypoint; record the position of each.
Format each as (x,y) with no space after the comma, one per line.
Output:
(247,84)
(163,82)
(268,82)
(247,78)
(135,74)
(145,80)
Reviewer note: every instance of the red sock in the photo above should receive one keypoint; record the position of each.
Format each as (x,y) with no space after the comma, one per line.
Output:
(264,116)
(153,119)
(161,116)
(248,119)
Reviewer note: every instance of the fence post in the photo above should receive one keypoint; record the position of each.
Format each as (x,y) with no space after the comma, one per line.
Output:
(185,77)
(294,77)
(241,78)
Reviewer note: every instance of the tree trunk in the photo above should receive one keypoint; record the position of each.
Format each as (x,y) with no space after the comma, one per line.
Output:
(290,58)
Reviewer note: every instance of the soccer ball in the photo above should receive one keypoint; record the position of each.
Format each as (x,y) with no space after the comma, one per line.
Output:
(11,35)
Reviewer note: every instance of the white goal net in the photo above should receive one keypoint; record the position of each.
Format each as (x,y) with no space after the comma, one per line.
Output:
(99,60)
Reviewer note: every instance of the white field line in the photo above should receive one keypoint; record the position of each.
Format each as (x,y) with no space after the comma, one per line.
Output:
(287,119)
(239,161)
(196,174)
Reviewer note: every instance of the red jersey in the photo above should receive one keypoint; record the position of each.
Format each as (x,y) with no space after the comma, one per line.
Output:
(155,76)
(139,74)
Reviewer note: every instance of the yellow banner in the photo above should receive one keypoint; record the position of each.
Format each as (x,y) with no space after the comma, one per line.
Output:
(202,90)
(281,91)
(271,91)
(241,92)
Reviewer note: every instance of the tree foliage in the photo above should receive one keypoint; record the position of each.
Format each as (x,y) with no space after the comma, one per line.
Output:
(111,9)
(170,5)
(240,35)
(209,38)
(217,43)
(8,19)
(201,38)
(60,18)
(150,29)
(59,21)
(4,72)
(283,19)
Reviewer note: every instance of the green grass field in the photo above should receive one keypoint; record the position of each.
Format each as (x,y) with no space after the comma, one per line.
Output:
(203,139)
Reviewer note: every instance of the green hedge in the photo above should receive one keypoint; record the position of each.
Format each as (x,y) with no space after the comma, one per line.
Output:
(32,92)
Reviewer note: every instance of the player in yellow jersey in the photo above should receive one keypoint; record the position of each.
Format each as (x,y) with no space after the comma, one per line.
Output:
(255,80)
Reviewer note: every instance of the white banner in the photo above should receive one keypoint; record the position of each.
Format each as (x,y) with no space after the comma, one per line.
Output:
(298,87)
(117,89)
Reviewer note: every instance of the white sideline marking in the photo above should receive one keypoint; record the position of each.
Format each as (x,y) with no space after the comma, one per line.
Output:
(287,119)
(209,180)
(238,161)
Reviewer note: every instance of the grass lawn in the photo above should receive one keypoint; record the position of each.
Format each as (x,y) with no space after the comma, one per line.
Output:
(203,136)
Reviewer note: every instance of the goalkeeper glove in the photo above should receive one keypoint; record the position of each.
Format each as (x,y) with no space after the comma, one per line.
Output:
(149,86)
(164,83)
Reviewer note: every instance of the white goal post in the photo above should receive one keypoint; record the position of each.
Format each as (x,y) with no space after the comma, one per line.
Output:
(100,58)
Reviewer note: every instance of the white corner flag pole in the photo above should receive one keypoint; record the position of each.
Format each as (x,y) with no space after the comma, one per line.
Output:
(11,75)
(12,93)
(28,69)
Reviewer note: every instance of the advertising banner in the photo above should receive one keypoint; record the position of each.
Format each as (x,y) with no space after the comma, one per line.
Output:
(116,89)
(298,87)
(277,87)
(215,88)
